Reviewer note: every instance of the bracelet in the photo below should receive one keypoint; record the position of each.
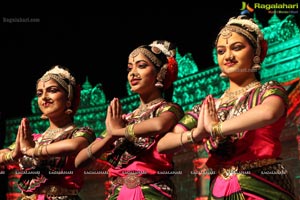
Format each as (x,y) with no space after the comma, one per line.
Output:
(189,136)
(181,143)
(129,132)
(40,150)
(216,131)
(89,152)
(46,149)
(220,128)
(35,151)
(8,157)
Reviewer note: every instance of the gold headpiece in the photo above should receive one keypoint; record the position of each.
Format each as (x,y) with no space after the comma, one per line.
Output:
(162,46)
(246,27)
(157,62)
(61,76)
(162,55)
(152,51)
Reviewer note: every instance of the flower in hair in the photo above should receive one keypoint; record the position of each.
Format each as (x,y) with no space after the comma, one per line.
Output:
(264,49)
(172,72)
(163,47)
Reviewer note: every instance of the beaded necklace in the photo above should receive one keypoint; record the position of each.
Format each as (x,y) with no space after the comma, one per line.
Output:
(51,133)
(233,95)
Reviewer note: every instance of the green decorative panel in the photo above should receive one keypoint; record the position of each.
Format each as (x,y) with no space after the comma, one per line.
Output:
(281,31)
(193,89)
(283,57)
(186,65)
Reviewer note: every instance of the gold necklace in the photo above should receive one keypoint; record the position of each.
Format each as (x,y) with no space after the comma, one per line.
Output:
(144,107)
(233,95)
(51,133)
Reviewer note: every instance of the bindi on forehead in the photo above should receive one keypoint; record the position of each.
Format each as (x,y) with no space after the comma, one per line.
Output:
(226,34)
(46,84)
(232,39)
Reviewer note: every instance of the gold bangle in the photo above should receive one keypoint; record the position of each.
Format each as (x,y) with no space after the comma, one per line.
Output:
(220,131)
(129,132)
(5,158)
(8,157)
(89,152)
(46,149)
(36,151)
(216,131)
(213,131)
(181,143)
(189,136)
(40,150)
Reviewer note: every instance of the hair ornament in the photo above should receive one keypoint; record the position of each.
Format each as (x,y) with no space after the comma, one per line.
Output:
(264,49)
(163,46)
(161,76)
(248,28)
(246,23)
(64,78)
(172,70)
(162,54)
(62,73)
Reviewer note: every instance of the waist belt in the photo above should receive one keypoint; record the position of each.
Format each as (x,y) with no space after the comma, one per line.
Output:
(242,167)
(54,190)
(256,164)
(133,180)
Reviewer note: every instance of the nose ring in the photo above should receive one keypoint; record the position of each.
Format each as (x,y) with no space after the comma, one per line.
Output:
(137,75)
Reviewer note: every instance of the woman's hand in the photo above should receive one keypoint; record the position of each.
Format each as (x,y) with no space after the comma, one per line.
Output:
(16,152)
(114,118)
(210,116)
(199,132)
(25,136)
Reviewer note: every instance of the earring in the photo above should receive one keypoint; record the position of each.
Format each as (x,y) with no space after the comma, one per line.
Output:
(223,75)
(159,84)
(68,111)
(44,117)
(161,76)
(256,66)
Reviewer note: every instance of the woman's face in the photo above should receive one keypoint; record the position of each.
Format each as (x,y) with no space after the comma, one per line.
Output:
(52,98)
(141,74)
(235,55)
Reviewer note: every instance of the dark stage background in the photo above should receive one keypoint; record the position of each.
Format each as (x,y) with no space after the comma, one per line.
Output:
(97,47)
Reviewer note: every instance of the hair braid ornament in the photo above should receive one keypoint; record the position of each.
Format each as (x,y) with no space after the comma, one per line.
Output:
(169,71)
